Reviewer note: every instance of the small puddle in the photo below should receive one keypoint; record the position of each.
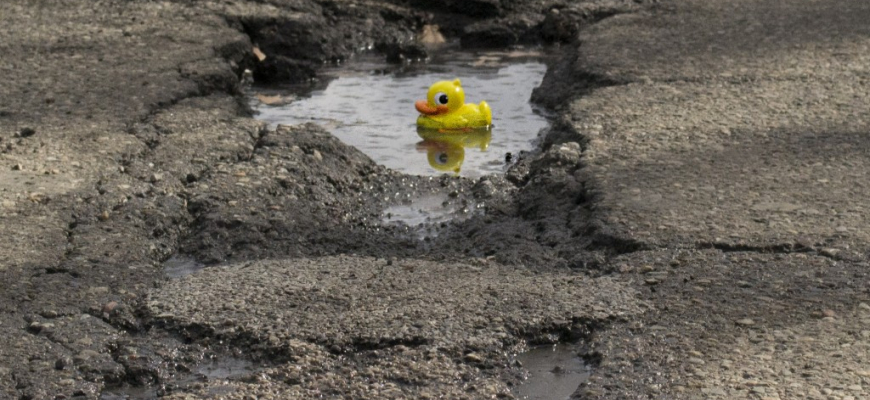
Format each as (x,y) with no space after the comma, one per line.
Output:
(180,266)
(370,105)
(555,373)
(219,369)
(423,215)
(129,393)
(225,368)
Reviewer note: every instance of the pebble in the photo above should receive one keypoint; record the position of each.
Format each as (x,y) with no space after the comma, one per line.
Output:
(107,309)
(829,252)
(85,355)
(37,327)
(713,391)
(98,290)
(745,322)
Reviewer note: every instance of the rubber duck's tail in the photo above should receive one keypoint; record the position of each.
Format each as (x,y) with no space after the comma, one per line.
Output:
(486,111)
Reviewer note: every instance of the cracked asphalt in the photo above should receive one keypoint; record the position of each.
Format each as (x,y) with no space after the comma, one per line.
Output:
(695,220)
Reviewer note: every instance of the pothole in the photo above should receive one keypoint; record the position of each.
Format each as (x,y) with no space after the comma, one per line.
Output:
(370,105)
(554,373)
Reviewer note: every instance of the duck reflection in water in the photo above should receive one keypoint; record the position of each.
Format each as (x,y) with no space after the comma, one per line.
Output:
(445,149)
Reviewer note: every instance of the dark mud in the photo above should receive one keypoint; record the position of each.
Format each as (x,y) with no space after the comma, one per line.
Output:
(302,212)
(300,36)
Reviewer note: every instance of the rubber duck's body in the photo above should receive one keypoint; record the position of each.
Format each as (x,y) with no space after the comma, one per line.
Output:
(445,151)
(445,108)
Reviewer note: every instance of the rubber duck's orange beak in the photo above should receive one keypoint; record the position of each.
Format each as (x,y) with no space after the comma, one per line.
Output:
(423,107)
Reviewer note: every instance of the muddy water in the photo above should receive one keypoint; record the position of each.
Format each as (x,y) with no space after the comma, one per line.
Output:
(180,266)
(129,393)
(226,368)
(370,106)
(215,370)
(555,372)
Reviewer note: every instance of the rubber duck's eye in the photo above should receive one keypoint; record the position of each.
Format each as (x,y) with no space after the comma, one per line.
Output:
(440,98)
(442,158)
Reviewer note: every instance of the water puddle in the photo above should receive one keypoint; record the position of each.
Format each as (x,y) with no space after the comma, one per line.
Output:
(555,372)
(423,215)
(129,393)
(370,105)
(218,369)
(181,266)
(226,368)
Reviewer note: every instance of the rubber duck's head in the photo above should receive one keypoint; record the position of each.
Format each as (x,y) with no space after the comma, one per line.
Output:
(443,97)
(443,156)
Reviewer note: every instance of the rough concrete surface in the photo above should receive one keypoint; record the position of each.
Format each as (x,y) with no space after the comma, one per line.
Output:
(695,220)
(420,324)
(730,140)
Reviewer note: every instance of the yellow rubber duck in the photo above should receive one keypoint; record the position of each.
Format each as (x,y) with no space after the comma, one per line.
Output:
(445,151)
(445,108)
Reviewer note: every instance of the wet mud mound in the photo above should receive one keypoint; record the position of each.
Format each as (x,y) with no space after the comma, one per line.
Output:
(295,38)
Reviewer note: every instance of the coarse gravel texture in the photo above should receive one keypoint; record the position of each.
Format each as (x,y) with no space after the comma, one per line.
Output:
(439,329)
(726,146)
(736,325)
